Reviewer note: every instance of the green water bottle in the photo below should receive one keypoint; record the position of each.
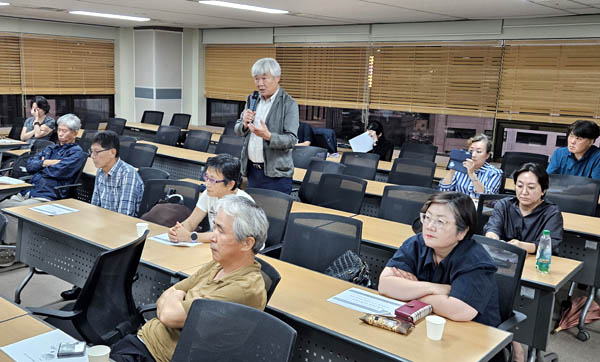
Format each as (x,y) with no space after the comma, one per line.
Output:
(544,253)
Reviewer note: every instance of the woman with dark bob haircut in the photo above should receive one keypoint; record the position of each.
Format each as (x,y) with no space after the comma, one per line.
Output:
(40,125)
(443,266)
(520,220)
(381,145)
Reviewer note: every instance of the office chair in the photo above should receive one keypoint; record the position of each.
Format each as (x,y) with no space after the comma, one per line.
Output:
(302,155)
(156,190)
(149,173)
(85,142)
(230,144)
(140,155)
(574,194)
(341,192)
(403,203)
(230,128)
(116,125)
(197,140)
(358,164)
(418,151)
(277,207)
(270,275)
(237,333)
(310,184)
(411,171)
(16,128)
(39,145)
(181,120)
(167,135)
(153,117)
(485,208)
(512,160)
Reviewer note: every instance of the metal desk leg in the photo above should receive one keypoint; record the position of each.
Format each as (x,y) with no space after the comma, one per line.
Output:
(583,335)
(23,284)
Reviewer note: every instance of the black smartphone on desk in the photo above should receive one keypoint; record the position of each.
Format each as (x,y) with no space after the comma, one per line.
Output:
(457,157)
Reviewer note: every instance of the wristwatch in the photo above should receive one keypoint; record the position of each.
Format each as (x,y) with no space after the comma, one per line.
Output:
(194,236)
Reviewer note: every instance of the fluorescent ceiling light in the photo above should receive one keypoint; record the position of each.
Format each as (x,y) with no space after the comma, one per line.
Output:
(111,16)
(244,7)
(2,4)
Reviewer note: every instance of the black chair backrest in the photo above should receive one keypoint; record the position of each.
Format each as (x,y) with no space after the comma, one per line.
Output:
(153,117)
(237,333)
(512,160)
(229,128)
(167,135)
(302,155)
(19,168)
(149,173)
(39,145)
(16,128)
(197,140)
(140,155)
(230,144)
(510,260)
(86,140)
(125,143)
(116,125)
(181,120)
(156,190)
(310,183)
(575,194)
(91,124)
(277,206)
(109,311)
(403,203)
(315,240)
(485,208)
(419,151)
(410,171)
(341,192)
(270,275)
(363,165)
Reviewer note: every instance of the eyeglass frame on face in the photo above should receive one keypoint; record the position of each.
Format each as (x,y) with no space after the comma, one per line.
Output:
(211,180)
(96,153)
(437,223)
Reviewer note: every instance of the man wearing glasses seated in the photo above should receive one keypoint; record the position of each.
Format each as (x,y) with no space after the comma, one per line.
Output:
(222,178)
(118,186)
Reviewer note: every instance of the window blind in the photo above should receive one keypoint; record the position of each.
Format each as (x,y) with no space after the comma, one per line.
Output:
(10,64)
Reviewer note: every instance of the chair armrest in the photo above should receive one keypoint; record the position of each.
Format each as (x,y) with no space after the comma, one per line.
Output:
(6,169)
(55,313)
(271,248)
(26,178)
(58,188)
(511,323)
(146,308)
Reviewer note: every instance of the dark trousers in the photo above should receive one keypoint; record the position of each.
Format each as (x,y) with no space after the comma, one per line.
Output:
(130,349)
(258,179)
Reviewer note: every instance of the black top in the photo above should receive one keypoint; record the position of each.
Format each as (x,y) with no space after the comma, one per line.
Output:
(305,132)
(468,268)
(508,223)
(384,149)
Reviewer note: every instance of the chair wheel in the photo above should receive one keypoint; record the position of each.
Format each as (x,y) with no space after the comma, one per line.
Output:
(583,336)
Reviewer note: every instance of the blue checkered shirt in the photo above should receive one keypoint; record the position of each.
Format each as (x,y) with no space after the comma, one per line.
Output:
(120,190)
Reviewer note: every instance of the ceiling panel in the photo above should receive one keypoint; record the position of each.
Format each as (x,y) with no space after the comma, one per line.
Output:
(185,13)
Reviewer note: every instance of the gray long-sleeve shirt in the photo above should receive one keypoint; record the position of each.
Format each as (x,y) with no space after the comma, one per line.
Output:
(508,223)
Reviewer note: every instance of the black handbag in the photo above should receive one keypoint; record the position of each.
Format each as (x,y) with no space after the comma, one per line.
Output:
(351,268)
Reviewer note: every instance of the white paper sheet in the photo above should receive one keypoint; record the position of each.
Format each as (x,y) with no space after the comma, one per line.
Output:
(8,141)
(53,209)
(366,302)
(10,180)
(361,143)
(41,348)
(164,238)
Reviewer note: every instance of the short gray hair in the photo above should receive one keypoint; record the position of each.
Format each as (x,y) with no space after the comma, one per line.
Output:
(266,66)
(249,220)
(71,121)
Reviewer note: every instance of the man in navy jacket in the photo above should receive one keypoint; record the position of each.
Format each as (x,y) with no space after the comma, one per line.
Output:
(55,165)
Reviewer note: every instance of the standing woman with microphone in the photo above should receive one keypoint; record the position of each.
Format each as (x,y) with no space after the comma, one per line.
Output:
(269,124)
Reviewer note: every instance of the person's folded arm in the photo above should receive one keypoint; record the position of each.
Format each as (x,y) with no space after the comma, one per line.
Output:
(406,288)
(170,310)
(68,166)
(450,307)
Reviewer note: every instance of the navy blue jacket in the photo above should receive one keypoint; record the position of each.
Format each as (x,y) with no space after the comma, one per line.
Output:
(71,158)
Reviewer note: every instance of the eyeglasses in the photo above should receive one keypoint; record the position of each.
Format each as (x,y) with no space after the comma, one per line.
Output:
(210,180)
(437,223)
(95,153)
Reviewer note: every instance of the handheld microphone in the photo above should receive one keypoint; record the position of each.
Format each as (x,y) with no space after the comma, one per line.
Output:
(254,101)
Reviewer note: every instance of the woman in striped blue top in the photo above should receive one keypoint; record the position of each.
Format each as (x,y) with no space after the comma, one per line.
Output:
(481,177)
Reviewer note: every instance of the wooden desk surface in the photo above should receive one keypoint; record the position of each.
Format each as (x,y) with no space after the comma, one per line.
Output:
(181,153)
(215,137)
(561,270)
(384,232)
(16,153)
(18,329)
(458,343)
(385,166)
(14,186)
(212,129)
(302,207)
(92,223)
(9,310)
(581,223)
(142,126)
(12,143)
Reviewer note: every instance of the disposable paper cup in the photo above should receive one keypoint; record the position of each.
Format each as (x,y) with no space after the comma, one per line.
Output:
(98,353)
(435,327)
(141,227)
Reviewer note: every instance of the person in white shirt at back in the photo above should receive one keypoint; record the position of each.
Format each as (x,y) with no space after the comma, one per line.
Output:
(222,178)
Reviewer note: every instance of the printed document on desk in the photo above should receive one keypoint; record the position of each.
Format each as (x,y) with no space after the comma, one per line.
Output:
(361,143)
(366,302)
(53,209)
(10,181)
(164,239)
(41,348)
